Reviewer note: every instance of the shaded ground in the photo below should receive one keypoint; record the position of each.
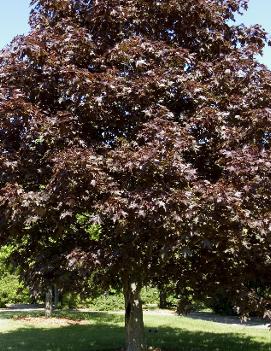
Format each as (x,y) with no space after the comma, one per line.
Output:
(85,331)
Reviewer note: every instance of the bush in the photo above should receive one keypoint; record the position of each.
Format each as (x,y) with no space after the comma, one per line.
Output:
(220,303)
(11,289)
(114,301)
(108,301)
(70,300)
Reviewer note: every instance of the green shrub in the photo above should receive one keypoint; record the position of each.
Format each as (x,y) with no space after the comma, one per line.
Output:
(109,301)
(114,301)
(150,296)
(11,289)
(70,300)
(220,303)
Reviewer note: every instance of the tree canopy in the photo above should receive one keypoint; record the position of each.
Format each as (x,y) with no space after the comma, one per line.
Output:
(135,147)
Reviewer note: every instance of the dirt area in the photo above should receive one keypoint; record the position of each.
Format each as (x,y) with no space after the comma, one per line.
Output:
(40,321)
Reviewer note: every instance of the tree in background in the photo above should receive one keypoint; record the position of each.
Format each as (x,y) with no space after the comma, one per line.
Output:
(42,263)
(151,119)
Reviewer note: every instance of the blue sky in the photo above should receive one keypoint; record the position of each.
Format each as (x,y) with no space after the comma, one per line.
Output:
(14,20)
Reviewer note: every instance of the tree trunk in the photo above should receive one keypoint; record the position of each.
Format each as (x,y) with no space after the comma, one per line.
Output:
(134,325)
(162,299)
(49,302)
(56,296)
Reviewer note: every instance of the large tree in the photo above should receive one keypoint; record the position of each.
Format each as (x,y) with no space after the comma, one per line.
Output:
(151,121)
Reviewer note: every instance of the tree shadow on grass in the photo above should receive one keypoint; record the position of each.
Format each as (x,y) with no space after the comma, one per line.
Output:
(105,332)
(184,340)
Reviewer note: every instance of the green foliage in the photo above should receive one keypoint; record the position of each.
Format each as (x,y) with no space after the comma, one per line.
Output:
(11,289)
(39,140)
(150,296)
(92,229)
(5,252)
(70,300)
(82,218)
(110,301)
(114,301)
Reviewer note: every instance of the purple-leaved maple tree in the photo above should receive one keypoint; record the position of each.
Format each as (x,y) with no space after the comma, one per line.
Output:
(135,148)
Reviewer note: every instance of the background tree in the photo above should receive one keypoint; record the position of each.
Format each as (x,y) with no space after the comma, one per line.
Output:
(43,265)
(153,118)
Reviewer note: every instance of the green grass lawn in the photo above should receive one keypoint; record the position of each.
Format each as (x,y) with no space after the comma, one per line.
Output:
(104,331)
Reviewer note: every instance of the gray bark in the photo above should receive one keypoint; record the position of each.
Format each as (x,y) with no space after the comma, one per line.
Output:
(49,302)
(134,325)
(56,296)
